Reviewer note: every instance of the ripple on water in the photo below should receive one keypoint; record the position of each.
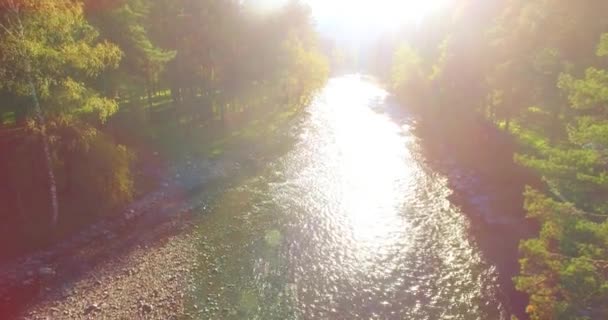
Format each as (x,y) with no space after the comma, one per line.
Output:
(350,224)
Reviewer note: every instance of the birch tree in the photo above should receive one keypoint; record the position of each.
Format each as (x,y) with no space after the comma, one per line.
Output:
(47,52)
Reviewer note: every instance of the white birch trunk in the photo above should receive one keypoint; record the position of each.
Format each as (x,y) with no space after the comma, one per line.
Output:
(48,160)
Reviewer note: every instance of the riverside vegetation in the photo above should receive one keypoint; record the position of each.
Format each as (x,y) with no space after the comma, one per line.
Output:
(95,94)
(92,92)
(538,71)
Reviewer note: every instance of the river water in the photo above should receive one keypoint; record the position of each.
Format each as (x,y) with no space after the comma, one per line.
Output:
(348,223)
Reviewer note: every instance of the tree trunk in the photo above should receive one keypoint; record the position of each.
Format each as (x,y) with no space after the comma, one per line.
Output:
(69,173)
(149,93)
(48,159)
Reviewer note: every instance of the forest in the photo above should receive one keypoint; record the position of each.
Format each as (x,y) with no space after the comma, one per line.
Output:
(91,90)
(98,97)
(536,70)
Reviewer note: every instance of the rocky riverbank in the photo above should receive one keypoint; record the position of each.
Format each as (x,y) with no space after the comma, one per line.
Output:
(125,266)
(134,265)
(488,185)
(146,283)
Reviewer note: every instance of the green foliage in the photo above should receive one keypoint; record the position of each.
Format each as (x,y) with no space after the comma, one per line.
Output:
(49,54)
(48,44)
(127,25)
(73,75)
(602,48)
(407,71)
(588,93)
(564,270)
(535,69)
(305,70)
(96,172)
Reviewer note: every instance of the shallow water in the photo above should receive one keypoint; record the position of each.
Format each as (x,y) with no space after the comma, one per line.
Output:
(348,224)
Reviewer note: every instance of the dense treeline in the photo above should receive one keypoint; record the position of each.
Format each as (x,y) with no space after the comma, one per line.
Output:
(79,79)
(539,71)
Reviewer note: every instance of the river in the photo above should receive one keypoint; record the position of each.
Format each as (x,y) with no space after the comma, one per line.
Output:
(349,223)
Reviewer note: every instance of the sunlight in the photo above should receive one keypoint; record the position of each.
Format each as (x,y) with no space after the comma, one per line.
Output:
(378,13)
(374,196)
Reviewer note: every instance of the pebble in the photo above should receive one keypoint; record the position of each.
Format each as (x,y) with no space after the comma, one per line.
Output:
(118,302)
(147,308)
(92,308)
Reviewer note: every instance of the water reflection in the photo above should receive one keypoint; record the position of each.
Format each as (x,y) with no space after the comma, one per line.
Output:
(350,224)
(358,162)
